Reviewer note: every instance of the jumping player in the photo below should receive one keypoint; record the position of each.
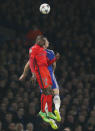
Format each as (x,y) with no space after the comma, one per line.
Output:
(55,87)
(38,63)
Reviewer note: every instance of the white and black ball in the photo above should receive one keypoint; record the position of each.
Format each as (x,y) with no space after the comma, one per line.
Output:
(45,8)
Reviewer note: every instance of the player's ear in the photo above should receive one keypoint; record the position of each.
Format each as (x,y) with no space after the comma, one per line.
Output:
(41,42)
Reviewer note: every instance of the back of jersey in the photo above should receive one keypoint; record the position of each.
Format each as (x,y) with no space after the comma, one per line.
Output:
(50,55)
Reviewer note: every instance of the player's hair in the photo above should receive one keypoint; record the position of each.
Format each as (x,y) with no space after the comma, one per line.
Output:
(40,40)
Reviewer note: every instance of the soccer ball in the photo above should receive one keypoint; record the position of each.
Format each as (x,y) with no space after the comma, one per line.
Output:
(44,8)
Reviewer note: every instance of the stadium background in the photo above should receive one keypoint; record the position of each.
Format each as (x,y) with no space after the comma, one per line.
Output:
(70,28)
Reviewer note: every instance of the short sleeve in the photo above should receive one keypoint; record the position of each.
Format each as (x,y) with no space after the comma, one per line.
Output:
(52,54)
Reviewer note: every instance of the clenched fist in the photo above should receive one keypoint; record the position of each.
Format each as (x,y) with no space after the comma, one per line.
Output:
(57,56)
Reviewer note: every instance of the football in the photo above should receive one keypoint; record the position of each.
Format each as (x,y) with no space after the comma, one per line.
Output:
(45,8)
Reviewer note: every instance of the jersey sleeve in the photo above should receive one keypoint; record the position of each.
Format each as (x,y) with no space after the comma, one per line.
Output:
(52,55)
(32,64)
(51,61)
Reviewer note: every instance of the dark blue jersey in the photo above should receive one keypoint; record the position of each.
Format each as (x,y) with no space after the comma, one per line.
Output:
(50,55)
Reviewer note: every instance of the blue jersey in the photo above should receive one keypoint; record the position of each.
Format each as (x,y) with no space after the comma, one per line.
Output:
(50,55)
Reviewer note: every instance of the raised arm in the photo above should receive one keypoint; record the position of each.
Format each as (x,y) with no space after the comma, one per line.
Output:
(26,69)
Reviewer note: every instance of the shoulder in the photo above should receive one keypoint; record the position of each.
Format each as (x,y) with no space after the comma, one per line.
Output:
(50,51)
(31,48)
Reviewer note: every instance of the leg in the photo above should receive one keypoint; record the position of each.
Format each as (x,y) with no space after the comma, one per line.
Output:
(44,80)
(43,102)
(57,103)
(46,99)
(48,92)
(45,83)
(55,88)
(56,99)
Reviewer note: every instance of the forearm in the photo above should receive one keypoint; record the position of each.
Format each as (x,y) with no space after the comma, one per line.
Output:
(54,66)
(26,69)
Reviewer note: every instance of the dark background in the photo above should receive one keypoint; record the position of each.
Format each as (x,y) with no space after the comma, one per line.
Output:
(70,28)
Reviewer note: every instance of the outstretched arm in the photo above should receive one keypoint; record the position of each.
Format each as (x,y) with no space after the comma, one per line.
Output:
(26,69)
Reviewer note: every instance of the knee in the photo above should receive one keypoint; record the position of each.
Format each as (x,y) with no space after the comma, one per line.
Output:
(56,91)
(47,91)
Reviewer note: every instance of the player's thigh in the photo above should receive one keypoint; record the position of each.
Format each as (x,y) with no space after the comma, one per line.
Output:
(43,78)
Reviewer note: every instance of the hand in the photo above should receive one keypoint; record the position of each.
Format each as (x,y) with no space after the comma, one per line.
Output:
(57,56)
(22,77)
(33,79)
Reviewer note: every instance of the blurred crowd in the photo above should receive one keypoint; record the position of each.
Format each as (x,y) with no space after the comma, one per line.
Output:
(70,28)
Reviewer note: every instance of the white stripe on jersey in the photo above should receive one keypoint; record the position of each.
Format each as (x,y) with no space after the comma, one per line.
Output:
(55,81)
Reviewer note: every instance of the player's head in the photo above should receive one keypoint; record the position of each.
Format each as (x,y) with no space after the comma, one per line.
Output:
(40,40)
(46,43)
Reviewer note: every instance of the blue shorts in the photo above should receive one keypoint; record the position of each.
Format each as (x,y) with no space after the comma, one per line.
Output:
(54,81)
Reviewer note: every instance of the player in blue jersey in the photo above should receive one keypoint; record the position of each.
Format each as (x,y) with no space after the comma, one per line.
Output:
(55,87)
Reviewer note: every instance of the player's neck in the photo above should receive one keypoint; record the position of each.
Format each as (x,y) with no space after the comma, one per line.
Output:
(39,46)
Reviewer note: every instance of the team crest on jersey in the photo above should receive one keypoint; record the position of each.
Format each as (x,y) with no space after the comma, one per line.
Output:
(45,81)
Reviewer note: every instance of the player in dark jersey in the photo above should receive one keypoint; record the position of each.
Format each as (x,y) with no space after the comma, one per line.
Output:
(55,87)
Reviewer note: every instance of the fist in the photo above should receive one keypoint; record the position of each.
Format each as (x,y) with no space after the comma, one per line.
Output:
(57,56)
(22,77)
(33,79)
